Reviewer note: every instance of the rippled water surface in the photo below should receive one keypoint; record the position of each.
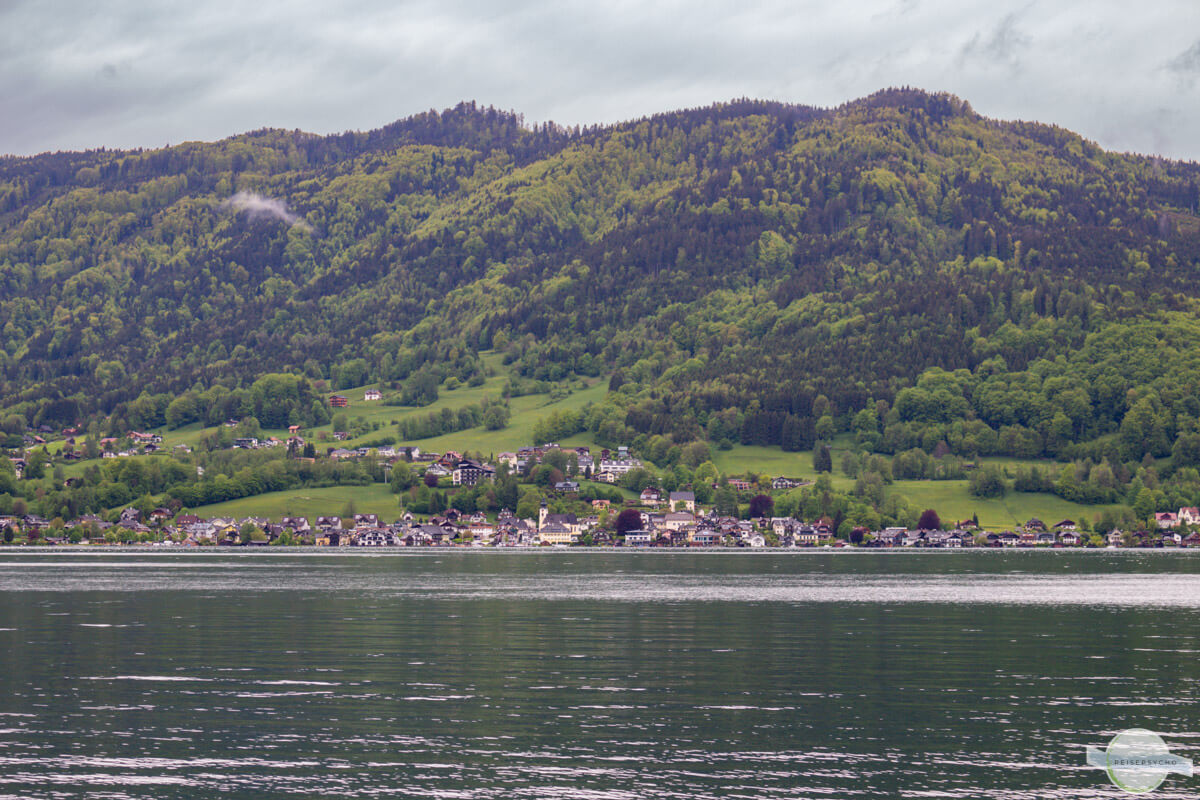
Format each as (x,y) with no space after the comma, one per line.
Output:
(590,675)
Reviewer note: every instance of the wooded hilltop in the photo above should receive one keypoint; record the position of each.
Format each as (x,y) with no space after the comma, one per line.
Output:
(899,270)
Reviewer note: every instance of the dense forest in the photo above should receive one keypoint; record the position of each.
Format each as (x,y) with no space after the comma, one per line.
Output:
(899,268)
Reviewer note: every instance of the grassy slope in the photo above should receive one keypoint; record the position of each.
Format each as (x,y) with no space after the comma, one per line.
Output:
(376,498)
(311,503)
(951,499)
(774,462)
(525,413)
(371,412)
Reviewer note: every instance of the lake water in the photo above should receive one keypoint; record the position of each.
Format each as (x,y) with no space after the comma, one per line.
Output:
(575,674)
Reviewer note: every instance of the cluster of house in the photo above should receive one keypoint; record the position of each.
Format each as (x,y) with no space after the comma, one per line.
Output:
(658,528)
(1170,520)
(341,401)
(679,523)
(607,466)
(1036,533)
(666,518)
(138,444)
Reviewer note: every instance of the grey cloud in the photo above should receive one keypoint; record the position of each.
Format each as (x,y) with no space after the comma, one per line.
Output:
(1007,40)
(1005,43)
(135,73)
(1186,65)
(258,206)
(1187,61)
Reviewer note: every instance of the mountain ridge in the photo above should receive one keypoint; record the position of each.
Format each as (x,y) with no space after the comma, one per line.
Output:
(805,260)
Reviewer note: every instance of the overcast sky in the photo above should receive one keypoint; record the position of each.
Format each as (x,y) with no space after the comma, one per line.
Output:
(127,73)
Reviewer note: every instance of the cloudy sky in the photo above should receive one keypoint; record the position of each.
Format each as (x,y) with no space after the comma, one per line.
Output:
(126,73)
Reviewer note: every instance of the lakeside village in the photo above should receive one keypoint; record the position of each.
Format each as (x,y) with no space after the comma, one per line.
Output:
(654,519)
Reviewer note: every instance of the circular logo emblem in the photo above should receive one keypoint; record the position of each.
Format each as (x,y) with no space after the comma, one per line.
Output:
(1136,760)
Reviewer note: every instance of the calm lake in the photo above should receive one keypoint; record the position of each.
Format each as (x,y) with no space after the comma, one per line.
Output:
(575,674)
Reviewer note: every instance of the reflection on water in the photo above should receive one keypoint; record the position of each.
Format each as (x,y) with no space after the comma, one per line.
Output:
(568,675)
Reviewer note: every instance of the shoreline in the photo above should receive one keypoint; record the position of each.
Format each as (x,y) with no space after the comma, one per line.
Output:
(142,549)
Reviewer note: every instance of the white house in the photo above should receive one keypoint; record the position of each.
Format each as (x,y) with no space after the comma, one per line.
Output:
(617,468)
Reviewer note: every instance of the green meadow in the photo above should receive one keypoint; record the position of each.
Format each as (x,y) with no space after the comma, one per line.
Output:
(326,501)
(311,503)
(775,462)
(951,499)
(953,502)
(526,410)
(525,413)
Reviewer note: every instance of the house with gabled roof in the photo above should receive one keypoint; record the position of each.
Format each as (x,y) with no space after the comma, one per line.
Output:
(889,537)
(678,520)
(297,524)
(557,533)
(375,537)
(568,521)
(332,537)
(805,536)
(688,499)
(470,473)
(611,470)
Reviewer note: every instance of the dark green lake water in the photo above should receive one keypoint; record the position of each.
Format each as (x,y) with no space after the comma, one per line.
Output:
(590,675)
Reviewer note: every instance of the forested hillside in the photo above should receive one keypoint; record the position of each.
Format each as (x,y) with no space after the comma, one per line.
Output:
(899,267)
